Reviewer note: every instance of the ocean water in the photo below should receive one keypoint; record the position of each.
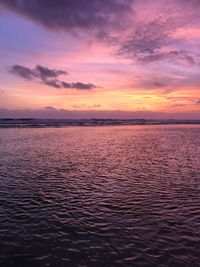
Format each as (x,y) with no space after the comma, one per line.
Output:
(100,196)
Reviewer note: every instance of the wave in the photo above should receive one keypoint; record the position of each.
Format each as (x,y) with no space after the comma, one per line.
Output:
(31,122)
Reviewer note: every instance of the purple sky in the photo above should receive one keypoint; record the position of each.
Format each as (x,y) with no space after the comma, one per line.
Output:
(100,58)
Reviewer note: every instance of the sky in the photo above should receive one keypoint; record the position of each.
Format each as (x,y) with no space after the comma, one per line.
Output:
(100,58)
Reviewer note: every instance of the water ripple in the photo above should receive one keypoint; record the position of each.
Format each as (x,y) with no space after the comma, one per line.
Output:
(100,196)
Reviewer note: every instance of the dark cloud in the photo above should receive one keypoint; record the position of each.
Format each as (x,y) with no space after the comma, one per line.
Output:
(39,72)
(83,86)
(23,72)
(72,14)
(48,77)
(198,102)
(80,86)
(45,72)
(53,83)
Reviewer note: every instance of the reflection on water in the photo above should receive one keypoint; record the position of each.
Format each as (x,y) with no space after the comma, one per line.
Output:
(100,196)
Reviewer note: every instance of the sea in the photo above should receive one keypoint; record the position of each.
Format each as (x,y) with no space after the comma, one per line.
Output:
(99,193)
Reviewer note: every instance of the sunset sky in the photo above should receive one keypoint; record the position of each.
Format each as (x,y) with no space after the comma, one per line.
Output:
(100,58)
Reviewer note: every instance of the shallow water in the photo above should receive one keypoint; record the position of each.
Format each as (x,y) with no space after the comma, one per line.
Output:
(100,196)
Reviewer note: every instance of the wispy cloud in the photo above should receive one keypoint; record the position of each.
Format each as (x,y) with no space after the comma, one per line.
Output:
(175,56)
(153,42)
(146,38)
